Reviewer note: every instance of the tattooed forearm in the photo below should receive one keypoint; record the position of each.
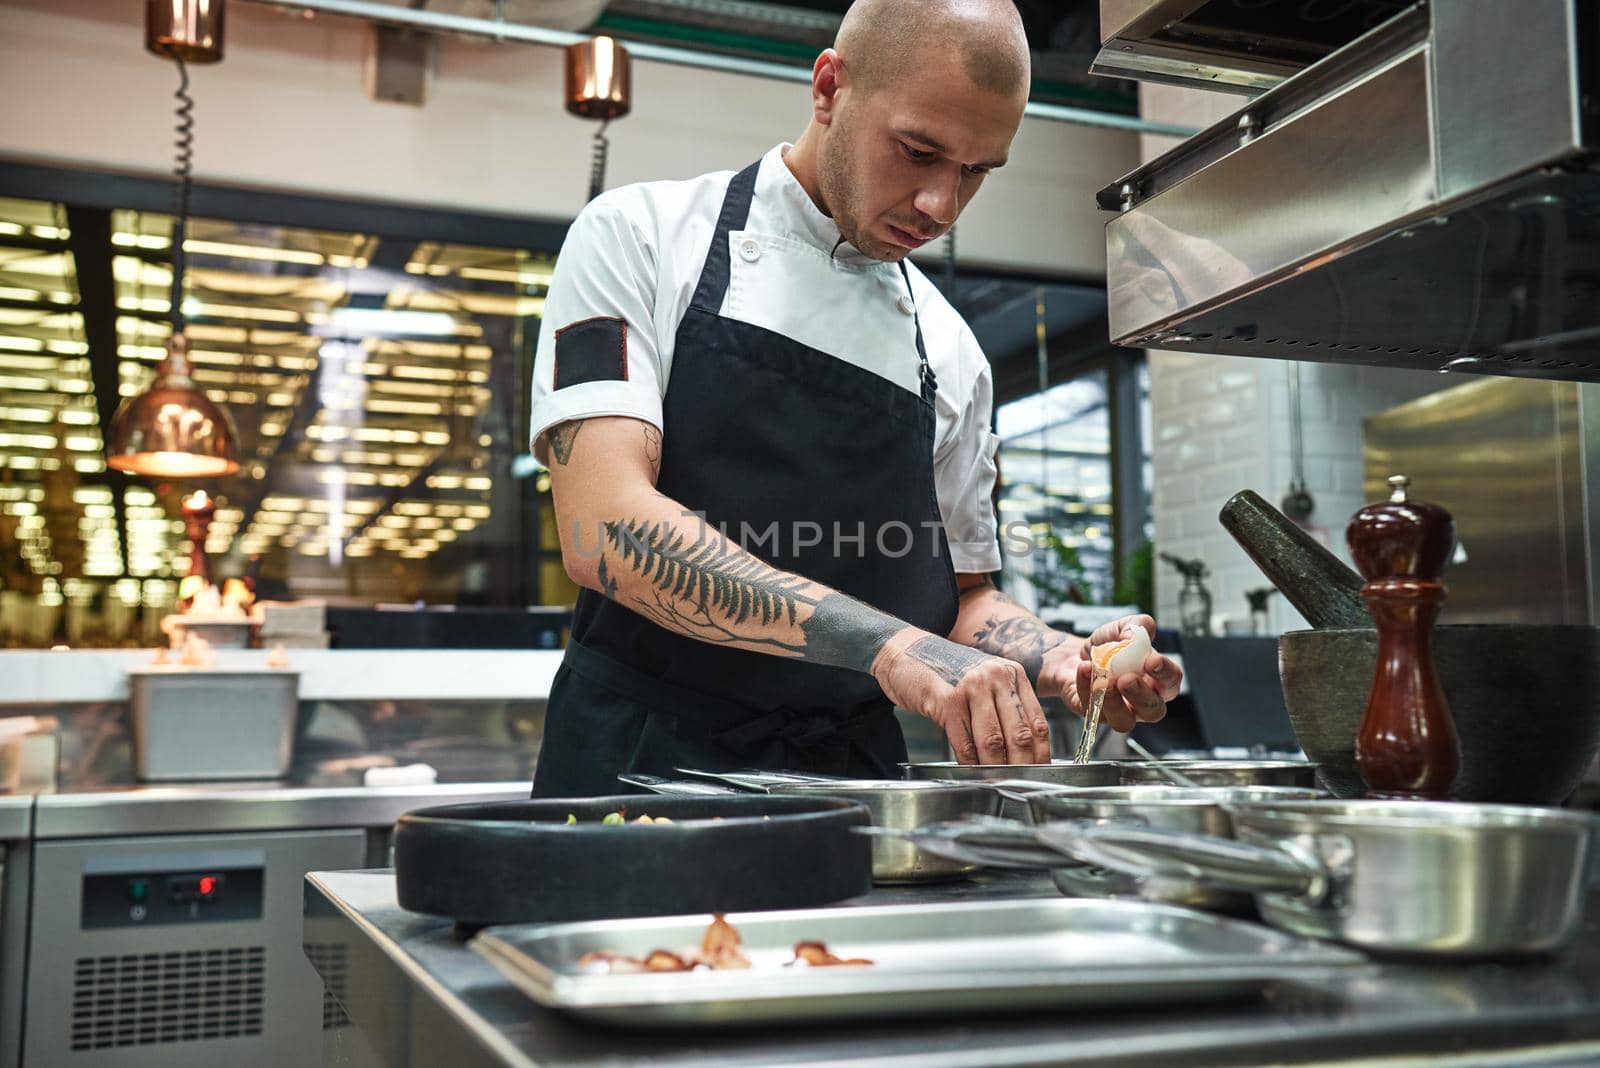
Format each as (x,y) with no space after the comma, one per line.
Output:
(561,439)
(709,572)
(703,586)
(1021,639)
(949,660)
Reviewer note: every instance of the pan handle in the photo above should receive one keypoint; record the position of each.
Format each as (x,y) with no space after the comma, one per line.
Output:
(675,787)
(989,841)
(1149,853)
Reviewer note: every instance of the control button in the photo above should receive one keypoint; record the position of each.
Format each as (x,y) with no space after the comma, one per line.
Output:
(750,250)
(906,304)
(138,890)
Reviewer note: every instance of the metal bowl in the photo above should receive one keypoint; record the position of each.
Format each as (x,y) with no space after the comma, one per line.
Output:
(1008,781)
(1177,808)
(1525,699)
(1057,773)
(906,805)
(1299,773)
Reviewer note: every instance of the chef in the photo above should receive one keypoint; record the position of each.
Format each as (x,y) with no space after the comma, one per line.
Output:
(769,447)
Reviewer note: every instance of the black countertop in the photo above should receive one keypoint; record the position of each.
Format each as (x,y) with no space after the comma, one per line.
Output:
(421,997)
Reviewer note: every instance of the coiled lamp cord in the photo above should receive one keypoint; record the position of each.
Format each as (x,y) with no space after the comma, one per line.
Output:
(597,164)
(182,169)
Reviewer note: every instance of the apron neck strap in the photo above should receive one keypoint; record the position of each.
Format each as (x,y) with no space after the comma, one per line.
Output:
(930,384)
(713,284)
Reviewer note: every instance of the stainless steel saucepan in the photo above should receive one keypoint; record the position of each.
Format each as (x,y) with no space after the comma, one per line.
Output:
(906,804)
(893,803)
(1193,810)
(1406,877)
(1298,773)
(1012,781)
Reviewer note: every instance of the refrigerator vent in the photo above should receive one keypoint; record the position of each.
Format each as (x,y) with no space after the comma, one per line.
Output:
(152,998)
(331,961)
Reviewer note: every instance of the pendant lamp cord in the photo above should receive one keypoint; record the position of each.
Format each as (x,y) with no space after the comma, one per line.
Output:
(597,165)
(183,167)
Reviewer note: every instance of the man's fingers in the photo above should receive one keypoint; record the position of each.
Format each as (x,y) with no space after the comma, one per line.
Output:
(1142,700)
(1116,713)
(1015,720)
(1033,714)
(959,732)
(1165,676)
(987,731)
(1084,689)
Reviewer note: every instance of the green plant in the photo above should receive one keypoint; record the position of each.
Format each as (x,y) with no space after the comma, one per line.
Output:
(1137,585)
(1065,581)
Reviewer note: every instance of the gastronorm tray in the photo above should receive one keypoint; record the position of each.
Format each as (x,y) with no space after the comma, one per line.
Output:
(963,957)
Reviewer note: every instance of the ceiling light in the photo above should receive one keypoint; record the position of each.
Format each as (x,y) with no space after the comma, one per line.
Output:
(172,429)
(368,321)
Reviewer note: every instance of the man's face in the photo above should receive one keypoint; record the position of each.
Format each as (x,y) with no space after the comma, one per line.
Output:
(900,162)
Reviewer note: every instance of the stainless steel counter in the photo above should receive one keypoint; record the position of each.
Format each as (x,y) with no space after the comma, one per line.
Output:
(421,997)
(16,817)
(223,807)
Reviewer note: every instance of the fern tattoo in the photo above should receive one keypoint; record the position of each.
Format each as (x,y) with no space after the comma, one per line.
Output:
(738,586)
(706,588)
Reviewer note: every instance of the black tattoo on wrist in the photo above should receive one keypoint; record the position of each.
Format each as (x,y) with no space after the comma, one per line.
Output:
(845,632)
(561,439)
(1020,639)
(950,661)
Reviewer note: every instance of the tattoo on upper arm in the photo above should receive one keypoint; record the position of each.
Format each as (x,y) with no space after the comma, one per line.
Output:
(949,660)
(1020,639)
(652,447)
(561,438)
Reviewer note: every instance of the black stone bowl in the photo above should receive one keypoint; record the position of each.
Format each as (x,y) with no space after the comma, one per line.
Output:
(521,862)
(1525,698)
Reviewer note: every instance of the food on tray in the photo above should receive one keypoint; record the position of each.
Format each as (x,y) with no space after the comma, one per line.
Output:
(817,955)
(619,817)
(720,949)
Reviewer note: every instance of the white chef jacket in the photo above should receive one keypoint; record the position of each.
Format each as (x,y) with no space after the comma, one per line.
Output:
(636,253)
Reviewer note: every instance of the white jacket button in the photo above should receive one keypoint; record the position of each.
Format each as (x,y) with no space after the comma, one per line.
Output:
(750,250)
(907,305)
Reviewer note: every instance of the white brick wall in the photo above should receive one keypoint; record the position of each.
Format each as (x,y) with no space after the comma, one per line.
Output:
(1221,424)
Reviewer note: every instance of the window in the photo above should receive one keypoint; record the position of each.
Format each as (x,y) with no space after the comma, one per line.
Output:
(377,383)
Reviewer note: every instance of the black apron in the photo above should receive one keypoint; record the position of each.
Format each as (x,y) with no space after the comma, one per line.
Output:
(759,429)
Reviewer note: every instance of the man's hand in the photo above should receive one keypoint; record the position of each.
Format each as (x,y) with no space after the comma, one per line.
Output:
(983,703)
(1136,697)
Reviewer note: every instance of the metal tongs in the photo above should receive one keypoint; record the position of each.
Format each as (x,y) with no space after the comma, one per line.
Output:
(988,840)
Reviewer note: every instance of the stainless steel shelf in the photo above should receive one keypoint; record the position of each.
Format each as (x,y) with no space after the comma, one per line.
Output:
(207,809)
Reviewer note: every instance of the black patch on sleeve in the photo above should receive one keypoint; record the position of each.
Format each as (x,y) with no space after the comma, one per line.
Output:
(592,350)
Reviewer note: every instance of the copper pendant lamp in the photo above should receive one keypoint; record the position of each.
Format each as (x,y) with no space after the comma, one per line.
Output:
(172,429)
(599,86)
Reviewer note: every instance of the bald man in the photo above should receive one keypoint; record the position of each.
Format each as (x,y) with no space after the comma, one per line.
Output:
(769,446)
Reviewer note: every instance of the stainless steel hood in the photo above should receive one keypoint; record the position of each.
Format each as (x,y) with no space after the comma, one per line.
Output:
(1427,196)
(1235,45)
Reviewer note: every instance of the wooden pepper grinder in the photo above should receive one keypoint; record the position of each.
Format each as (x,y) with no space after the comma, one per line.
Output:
(1407,746)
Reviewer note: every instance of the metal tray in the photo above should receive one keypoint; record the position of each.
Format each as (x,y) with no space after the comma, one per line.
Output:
(965,957)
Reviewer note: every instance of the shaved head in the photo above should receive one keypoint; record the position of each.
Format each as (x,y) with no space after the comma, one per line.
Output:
(881,40)
(912,109)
